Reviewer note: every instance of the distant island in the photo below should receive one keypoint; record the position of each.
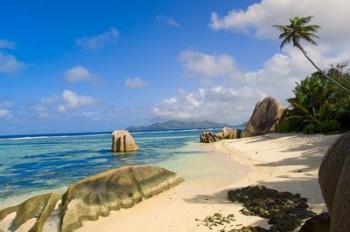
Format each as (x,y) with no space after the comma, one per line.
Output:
(176,125)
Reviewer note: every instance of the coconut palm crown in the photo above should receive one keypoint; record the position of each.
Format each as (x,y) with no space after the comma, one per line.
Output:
(299,30)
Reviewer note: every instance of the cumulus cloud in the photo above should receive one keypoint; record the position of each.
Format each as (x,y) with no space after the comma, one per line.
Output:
(234,101)
(6,109)
(7,44)
(72,100)
(9,64)
(98,41)
(135,83)
(79,73)
(169,21)
(219,103)
(207,65)
(258,18)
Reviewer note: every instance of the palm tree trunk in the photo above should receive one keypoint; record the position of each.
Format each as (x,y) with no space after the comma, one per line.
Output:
(325,74)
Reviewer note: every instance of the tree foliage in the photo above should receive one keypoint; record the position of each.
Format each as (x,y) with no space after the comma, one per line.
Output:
(319,105)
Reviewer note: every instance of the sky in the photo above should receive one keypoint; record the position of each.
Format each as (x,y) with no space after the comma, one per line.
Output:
(79,66)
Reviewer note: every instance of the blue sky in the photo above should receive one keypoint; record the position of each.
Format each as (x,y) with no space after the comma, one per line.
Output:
(68,66)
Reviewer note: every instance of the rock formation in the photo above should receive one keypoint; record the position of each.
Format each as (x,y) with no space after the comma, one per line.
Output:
(318,223)
(209,137)
(265,118)
(38,207)
(93,197)
(226,133)
(122,141)
(334,179)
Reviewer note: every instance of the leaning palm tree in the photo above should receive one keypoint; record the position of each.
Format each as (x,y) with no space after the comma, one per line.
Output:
(299,30)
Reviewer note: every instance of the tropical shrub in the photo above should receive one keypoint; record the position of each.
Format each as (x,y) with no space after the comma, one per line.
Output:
(319,105)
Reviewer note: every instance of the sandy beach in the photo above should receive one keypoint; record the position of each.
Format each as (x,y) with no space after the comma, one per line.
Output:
(286,162)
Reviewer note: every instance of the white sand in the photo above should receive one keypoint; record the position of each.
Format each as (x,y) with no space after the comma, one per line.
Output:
(285,162)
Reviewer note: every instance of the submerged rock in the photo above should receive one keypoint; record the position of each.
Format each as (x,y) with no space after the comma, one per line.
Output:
(122,141)
(39,207)
(226,133)
(265,118)
(285,211)
(93,197)
(318,223)
(334,179)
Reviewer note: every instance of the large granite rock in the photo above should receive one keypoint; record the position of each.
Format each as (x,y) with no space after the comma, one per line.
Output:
(318,223)
(229,133)
(208,137)
(38,207)
(226,133)
(334,179)
(122,141)
(265,118)
(92,197)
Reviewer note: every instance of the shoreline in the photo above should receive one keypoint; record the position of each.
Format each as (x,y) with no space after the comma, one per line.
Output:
(285,162)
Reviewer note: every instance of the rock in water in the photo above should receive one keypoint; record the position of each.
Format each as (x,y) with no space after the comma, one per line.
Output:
(90,198)
(39,207)
(265,118)
(334,179)
(122,141)
(111,190)
(318,223)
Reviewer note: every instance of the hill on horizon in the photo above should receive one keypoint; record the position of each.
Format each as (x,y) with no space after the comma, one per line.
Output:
(175,125)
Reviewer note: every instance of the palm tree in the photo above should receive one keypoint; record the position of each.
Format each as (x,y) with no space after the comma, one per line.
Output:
(298,30)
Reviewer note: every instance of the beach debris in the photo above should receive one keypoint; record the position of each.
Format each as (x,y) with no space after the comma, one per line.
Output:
(225,133)
(122,141)
(334,178)
(266,115)
(285,211)
(218,221)
(318,223)
(92,197)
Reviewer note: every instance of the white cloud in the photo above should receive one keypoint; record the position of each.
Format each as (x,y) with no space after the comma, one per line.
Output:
(5,109)
(257,19)
(169,21)
(79,73)
(98,41)
(72,100)
(9,64)
(4,43)
(221,104)
(135,83)
(5,114)
(207,65)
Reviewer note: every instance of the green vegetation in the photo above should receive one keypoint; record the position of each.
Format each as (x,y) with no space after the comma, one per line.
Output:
(319,105)
(299,30)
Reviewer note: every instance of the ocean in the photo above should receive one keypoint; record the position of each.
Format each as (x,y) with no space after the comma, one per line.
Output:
(32,164)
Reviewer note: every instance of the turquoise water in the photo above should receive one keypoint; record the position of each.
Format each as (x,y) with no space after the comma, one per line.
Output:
(29,164)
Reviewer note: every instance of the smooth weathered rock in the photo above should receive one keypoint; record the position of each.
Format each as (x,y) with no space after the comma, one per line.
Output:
(122,141)
(318,223)
(332,167)
(39,207)
(265,118)
(111,190)
(90,198)
(334,179)
(226,133)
